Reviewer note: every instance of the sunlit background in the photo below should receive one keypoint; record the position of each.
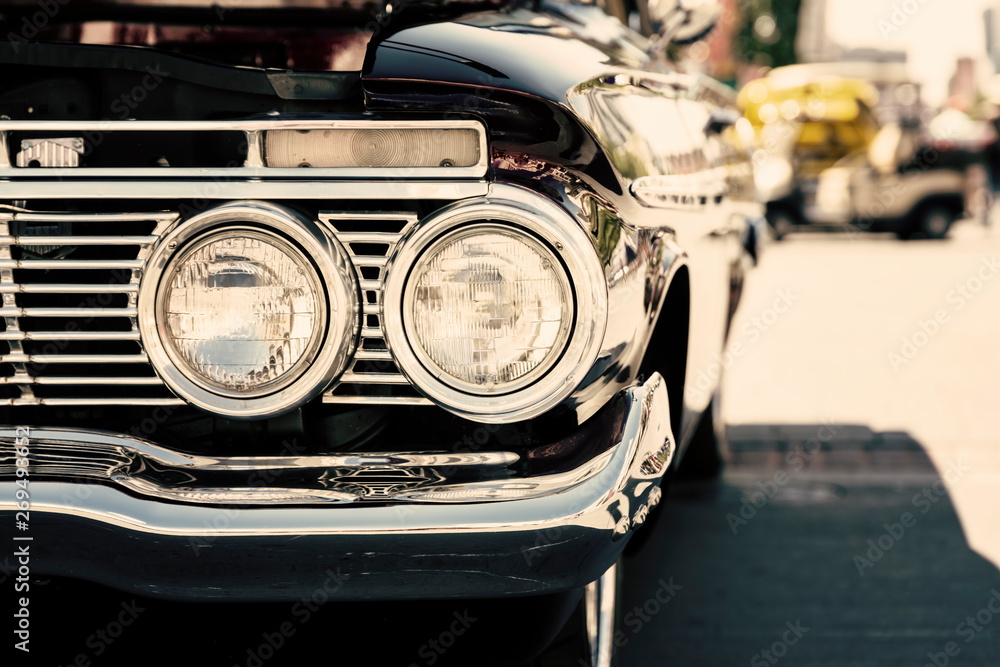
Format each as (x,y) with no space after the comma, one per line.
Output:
(842,354)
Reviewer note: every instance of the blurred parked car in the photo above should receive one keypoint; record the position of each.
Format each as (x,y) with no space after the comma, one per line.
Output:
(825,161)
(414,299)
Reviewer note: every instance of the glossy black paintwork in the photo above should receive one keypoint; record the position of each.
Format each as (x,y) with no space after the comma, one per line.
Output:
(534,53)
(561,91)
(519,71)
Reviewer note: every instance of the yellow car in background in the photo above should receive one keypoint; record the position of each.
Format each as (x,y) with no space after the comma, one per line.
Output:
(823,159)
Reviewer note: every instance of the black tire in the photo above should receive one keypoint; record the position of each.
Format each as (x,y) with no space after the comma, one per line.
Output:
(781,223)
(704,458)
(934,222)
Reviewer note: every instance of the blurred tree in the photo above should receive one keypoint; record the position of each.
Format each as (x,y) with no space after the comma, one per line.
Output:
(767,35)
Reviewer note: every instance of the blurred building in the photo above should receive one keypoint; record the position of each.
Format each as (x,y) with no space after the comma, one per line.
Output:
(720,60)
(813,43)
(991,23)
(963,89)
(886,69)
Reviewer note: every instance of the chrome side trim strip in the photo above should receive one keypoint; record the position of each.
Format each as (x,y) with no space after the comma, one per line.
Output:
(19,311)
(253,167)
(377,400)
(70,263)
(320,174)
(129,188)
(77,240)
(68,288)
(56,443)
(86,380)
(69,335)
(373,378)
(74,358)
(249,496)
(35,400)
(162,216)
(154,471)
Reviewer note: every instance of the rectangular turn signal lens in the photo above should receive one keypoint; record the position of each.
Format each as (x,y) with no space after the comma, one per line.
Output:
(390,147)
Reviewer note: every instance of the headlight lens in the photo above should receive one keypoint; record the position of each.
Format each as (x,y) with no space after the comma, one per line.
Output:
(242,311)
(496,308)
(490,308)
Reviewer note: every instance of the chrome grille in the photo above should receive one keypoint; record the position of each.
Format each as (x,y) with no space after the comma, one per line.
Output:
(372,376)
(39,364)
(41,360)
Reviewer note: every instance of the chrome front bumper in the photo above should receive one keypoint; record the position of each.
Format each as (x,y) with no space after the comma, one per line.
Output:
(149,520)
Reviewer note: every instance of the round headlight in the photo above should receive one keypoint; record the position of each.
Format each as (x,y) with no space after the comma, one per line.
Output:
(248,309)
(489,308)
(495,308)
(243,311)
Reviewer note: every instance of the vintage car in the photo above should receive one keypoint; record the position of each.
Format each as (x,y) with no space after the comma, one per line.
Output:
(893,185)
(409,293)
(825,160)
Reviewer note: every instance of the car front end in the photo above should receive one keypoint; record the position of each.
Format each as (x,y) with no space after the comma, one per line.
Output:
(384,302)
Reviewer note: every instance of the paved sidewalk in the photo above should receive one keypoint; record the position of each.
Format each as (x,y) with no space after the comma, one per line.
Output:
(762,556)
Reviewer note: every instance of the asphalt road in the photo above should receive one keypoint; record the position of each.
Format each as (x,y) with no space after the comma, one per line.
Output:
(892,336)
(856,523)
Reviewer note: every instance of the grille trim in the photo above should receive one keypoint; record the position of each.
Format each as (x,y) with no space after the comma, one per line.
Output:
(34,400)
(30,369)
(83,380)
(118,186)
(67,288)
(20,311)
(69,335)
(379,382)
(361,383)
(254,131)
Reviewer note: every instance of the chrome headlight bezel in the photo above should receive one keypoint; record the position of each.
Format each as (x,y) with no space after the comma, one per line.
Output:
(544,222)
(536,244)
(334,341)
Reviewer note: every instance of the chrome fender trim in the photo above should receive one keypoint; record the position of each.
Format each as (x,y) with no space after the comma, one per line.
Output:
(544,543)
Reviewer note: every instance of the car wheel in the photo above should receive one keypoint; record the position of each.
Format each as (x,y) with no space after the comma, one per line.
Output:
(705,455)
(781,224)
(935,221)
